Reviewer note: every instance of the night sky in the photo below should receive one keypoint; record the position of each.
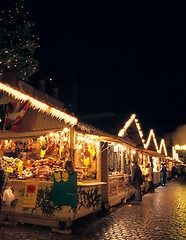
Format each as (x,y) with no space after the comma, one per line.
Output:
(126,59)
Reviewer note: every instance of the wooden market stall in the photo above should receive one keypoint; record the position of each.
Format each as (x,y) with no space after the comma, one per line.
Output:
(110,150)
(157,154)
(133,131)
(148,151)
(61,169)
(116,157)
(38,153)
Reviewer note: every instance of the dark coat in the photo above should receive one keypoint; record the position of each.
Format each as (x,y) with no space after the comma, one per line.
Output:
(137,177)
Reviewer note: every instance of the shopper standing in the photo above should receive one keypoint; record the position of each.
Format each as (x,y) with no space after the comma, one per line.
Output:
(149,176)
(163,174)
(137,181)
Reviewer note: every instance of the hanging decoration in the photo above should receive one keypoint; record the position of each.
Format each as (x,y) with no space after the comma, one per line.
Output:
(15,112)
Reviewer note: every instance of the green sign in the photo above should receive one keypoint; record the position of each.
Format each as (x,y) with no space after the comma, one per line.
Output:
(64,189)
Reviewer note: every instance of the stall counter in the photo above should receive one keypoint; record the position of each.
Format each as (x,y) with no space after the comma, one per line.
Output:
(120,189)
(33,203)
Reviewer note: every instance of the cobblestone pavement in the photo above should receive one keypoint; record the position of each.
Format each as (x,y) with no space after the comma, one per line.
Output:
(161,215)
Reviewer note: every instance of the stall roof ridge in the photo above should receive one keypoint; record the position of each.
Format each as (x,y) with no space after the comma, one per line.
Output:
(24,92)
(128,124)
(159,145)
(85,127)
(89,129)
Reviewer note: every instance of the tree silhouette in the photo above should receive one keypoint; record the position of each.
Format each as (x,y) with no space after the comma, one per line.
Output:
(17,42)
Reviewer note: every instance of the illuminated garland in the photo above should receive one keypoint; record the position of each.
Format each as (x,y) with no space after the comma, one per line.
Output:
(128,123)
(162,143)
(38,105)
(162,146)
(151,135)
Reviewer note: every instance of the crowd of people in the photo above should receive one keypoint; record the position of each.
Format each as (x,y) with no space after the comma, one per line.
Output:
(177,172)
(138,178)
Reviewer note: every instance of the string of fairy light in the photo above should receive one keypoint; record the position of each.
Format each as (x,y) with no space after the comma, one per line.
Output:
(38,105)
(17,42)
(17,48)
(151,135)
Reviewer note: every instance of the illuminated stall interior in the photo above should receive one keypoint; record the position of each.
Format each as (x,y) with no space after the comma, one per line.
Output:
(179,153)
(36,157)
(86,156)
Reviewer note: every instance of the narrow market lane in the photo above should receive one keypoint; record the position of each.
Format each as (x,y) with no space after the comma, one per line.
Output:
(161,215)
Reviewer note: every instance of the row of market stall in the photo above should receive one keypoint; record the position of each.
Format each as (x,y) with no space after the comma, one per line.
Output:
(61,169)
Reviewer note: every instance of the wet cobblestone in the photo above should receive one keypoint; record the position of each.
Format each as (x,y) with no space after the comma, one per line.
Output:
(161,215)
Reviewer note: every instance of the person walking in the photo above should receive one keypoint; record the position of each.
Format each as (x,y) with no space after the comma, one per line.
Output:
(163,174)
(149,176)
(137,181)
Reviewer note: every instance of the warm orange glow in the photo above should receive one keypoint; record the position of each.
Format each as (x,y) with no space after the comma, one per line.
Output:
(162,146)
(128,123)
(162,143)
(151,136)
(40,106)
(180,147)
